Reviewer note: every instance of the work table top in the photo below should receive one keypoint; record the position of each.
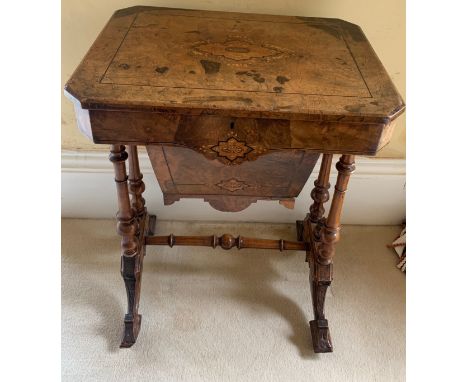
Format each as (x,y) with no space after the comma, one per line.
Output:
(245,65)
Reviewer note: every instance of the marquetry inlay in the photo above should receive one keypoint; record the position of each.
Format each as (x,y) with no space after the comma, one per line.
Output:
(239,50)
(232,149)
(232,185)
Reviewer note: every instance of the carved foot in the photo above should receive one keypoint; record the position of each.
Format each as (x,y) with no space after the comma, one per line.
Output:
(321,340)
(131,272)
(131,329)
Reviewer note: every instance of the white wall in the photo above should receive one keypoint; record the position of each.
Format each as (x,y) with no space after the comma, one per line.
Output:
(376,194)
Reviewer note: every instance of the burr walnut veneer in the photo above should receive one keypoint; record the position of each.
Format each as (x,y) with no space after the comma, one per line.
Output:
(232,108)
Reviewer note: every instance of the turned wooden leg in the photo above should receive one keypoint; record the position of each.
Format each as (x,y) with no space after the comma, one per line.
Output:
(137,188)
(131,246)
(136,185)
(320,194)
(323,238)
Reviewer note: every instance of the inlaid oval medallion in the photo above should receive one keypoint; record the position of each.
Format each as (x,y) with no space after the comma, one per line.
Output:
(239,50)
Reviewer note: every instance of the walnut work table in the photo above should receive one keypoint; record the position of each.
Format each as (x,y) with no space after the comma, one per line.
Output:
(232,108)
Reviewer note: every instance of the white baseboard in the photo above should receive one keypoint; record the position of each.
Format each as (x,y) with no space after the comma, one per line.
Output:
(376,194)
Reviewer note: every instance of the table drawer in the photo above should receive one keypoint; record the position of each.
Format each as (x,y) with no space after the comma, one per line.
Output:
(232,141)
(236,138)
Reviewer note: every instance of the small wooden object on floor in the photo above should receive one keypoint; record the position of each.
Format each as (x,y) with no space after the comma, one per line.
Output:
(233,108)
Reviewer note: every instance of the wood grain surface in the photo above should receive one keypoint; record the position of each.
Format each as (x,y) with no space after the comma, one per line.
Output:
(245,65)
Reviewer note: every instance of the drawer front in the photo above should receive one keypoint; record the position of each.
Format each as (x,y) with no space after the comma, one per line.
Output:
(232,140)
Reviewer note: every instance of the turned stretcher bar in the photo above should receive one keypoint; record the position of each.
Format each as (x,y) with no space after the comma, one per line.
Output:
(226,241)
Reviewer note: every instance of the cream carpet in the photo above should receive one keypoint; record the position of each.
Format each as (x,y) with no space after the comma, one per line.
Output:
(215,315)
